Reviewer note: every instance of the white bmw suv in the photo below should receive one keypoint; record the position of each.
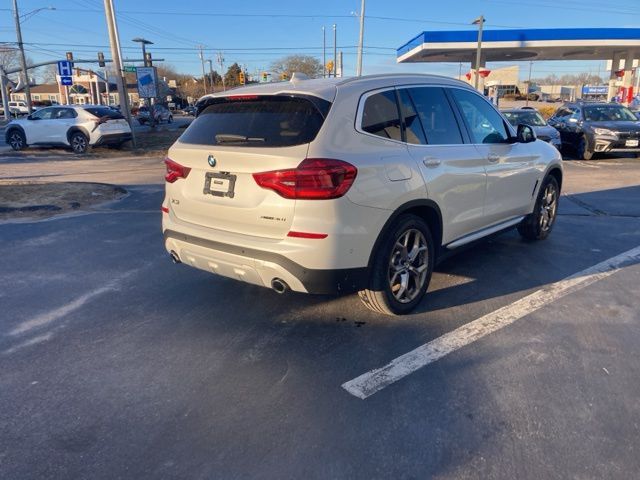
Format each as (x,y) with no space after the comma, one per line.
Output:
(351,185)
(75,126)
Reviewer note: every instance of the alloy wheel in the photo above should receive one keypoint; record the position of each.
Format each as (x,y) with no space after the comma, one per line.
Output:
(548,207)
(15,140)
(79,143)
(408,265)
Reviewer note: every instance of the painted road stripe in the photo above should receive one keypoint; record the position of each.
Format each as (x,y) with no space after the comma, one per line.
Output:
(375,380)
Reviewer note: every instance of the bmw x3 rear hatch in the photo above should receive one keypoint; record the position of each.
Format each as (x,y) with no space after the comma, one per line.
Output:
(231,141)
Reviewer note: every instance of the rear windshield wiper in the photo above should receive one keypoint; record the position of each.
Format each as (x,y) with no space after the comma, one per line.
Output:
(231,138)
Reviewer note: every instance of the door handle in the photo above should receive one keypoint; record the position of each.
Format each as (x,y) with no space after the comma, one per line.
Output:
(493,158)
(431,161)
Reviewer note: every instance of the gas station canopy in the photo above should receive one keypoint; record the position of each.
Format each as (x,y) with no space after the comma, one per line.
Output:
(514,45)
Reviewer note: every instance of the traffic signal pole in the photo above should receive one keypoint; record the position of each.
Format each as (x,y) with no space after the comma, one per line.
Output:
(114,41)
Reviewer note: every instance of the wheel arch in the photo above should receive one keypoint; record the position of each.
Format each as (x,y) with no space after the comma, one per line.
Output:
(556,172)
(77,128)
(426,209)
(12,128)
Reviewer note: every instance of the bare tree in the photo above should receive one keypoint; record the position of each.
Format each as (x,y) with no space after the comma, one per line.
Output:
(306,64)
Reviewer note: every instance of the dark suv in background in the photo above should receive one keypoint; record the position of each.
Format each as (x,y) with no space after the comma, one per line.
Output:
(591,128)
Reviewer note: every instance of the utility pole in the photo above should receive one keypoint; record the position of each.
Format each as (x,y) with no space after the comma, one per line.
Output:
(335,49)
(204,76)
(528,85)
(23,60)
(360,41)
(221,63)
(480,22)
(5,99)
(341,64)
(114,41)
(324,53)
(210,74)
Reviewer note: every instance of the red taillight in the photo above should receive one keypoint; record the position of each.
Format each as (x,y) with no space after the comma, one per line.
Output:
(313,179)
(164,209)
(317,236)
(241,97)
(175,171)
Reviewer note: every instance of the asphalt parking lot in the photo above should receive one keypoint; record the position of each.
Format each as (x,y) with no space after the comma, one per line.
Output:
(118,364)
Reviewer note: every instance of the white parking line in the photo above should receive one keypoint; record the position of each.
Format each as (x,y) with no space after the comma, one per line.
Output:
(373,381)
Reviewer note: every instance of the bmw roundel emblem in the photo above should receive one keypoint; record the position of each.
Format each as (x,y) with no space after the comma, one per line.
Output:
(212,161)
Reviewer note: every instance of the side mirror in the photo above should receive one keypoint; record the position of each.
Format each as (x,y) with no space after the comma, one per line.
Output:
(526,134)
(31,117)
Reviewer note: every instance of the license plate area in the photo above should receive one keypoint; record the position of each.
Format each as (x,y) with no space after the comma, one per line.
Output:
(631,143)
(219,184)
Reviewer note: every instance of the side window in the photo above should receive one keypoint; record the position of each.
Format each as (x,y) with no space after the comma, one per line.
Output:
(484,122)
(65,113)
(43,114)
(437,118)
(412,126)
(380,116)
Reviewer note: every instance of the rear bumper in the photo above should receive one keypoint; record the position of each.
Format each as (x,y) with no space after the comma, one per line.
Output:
(113,138)
(260,267)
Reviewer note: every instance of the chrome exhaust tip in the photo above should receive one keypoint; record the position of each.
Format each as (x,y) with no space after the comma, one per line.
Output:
(174,257)
(279,286)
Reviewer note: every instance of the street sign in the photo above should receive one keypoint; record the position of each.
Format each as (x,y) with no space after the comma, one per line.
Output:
(65,68)
(66,81)
(129,68)
(147,82)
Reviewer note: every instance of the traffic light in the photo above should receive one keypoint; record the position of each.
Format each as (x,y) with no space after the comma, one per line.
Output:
(101,59)
(329,66)
(264,76)
(241,78)
(148,61)
(284,76)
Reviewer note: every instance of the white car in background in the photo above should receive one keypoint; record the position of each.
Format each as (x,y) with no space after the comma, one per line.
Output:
(75,126)
(18,108)
(343,185)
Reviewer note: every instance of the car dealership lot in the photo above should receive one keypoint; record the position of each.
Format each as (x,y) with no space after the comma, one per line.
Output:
(118,364)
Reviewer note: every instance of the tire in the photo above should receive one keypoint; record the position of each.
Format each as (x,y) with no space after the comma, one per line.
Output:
(79,142)
(392,266)
(582,150)
(538,225)
(16,139)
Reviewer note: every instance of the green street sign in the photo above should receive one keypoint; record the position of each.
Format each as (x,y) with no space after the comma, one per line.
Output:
(130,68)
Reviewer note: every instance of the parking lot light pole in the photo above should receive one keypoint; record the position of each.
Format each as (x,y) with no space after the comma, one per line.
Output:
(478,21)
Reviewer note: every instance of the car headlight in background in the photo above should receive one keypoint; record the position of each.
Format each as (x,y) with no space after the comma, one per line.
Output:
(604,131)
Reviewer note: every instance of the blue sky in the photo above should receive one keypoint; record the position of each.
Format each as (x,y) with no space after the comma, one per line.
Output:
(286,27)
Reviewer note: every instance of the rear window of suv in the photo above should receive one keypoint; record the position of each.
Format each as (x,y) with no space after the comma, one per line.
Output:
(104,112)
(257,121)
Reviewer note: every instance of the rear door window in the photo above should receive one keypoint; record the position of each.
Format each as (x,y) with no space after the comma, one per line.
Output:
(380,116)
(257,121)
(413,132)
(437,117)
